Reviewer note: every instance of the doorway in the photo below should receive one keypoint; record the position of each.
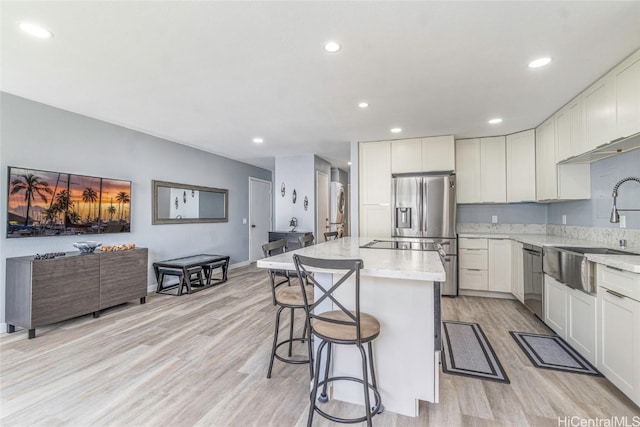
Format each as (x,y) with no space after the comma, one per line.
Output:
(260,216)
(322,205)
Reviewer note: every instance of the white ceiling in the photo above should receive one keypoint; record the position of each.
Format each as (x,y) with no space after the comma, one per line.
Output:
(213,75)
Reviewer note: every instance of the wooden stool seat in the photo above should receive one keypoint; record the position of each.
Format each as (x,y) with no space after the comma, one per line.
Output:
(369,326)
(292,295)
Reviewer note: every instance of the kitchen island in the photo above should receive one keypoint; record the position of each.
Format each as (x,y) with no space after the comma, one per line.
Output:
(401,289)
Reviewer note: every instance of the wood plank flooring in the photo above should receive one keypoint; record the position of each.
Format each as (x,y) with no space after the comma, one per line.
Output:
(201,360)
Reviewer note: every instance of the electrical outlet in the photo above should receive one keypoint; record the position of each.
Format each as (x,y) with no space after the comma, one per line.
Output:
(244,220)
(494,219)
(564,220)
(623,221)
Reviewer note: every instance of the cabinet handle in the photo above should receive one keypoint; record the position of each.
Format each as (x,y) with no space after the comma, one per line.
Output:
(614,268)
(474,269)
(615,294)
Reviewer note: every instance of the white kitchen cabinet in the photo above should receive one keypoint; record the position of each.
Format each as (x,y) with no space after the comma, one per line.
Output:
(432,154)
(375,189)
(521,167)
(555,306)
(546,171)
(558,182)
(375,173)
(438,154)
(618,329)
(375,220)
(406,156)
(481,170)
(493,170)
(517,271)
(563,133)
(468,170)
(484,264)
(627,83)
(578,143)
(472,279)
(499,265)
(600,112)
(581,323)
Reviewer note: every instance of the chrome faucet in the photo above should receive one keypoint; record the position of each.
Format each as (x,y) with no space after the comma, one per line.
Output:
(615,216)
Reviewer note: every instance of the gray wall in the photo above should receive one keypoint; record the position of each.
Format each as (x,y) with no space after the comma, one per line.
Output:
(595,212)
(38,136)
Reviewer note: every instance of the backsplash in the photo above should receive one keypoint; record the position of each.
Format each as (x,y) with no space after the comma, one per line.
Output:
(501,228)
(606,236)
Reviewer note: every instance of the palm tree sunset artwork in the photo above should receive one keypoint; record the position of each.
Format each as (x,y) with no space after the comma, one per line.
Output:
(43,203)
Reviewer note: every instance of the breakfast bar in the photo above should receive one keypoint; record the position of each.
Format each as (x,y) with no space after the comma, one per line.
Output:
(401,289)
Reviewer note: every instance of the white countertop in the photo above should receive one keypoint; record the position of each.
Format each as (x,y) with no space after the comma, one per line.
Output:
(626,262)
(394,264)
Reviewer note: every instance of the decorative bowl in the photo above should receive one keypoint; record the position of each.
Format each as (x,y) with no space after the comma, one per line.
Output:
(87,247)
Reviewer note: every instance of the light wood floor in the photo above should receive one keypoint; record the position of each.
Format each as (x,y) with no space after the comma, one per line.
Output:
(201,360)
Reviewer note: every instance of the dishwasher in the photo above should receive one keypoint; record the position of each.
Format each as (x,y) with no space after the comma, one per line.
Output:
(533,279)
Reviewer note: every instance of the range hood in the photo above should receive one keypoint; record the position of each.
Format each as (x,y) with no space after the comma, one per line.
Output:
(617,146)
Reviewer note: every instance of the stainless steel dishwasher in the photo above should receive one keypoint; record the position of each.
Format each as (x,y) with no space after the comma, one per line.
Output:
(533,279)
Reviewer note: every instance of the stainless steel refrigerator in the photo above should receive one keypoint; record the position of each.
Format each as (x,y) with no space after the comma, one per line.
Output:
(424,206)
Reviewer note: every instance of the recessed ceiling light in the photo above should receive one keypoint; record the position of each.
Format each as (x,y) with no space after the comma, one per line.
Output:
(258,140)
(35,30)
(396,130)
(363,105)
(540,62)
(332,46)
(349,163)
(495,121)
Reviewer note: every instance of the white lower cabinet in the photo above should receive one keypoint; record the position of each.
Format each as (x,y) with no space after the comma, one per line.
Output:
(484,265)
(555,306)
(517,271)
(572,315)
(581,323)
(499,265)
(618,323)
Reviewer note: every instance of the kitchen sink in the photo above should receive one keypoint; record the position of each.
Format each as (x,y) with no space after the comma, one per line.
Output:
(601,251)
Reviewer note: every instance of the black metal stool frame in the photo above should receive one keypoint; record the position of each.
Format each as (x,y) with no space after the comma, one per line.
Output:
(269,249)
(351,266)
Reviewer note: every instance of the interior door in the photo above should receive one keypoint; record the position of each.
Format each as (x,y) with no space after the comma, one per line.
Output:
(322,205)
(259,216)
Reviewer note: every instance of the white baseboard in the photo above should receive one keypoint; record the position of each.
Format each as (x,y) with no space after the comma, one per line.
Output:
(485,294)
(239,265)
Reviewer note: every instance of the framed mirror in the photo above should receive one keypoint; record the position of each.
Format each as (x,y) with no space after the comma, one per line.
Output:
(175,203)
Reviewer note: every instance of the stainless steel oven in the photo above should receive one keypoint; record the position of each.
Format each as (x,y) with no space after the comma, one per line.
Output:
(533,279)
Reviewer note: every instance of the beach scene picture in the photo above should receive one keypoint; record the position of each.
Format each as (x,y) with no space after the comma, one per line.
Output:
(43,203)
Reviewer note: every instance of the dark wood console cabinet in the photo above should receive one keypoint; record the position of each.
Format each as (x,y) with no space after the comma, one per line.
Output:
(291,237)
(46,291)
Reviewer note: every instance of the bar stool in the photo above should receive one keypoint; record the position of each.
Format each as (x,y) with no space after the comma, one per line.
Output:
(330,235)
(306,240)
(290,297)
(343,327)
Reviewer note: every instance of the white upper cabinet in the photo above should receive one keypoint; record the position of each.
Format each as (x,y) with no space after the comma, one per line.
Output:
(375,173)
(438,154)
(406,156)
(468,170)
(433,154)
(578,143)
(493,170)
(563,134)
(546,170)
(627,83)
(521,167)
(481,170)
(600,112)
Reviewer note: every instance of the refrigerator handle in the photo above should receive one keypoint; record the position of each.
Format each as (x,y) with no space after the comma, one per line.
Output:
(425,207)
(418,204)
